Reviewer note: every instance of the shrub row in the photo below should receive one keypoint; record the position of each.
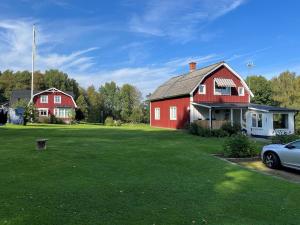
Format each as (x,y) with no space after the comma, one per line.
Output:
(284,139)
(51,120)
(226,130)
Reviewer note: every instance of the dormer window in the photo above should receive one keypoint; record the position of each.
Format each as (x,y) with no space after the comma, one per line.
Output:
(223,86)
(202,89)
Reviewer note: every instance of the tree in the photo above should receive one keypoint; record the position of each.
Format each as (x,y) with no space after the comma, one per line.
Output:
(286,91)
(262,90)
(110,94)
(83,107)
(61,81)
(95,105)
(7,83)
(130,98)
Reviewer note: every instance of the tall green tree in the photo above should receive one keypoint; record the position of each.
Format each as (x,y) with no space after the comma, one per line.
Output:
(110,93)
(7,83)
(60,80)
(262,90)
(286,91)
(130,100)
(95,103)
(83,106)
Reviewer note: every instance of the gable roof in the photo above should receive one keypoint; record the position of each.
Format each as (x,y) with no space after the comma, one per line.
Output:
(187,83)
(25,95)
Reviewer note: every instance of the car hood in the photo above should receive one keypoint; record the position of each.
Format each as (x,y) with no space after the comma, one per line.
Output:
(273,146)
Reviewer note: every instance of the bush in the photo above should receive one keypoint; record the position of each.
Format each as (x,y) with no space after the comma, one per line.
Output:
(203,132)
(219,133)
(239,146)
(109,121)
(284,139)
(193,128)
(231,130)
(55,120)
(298,131)
(196,129)
(117,123)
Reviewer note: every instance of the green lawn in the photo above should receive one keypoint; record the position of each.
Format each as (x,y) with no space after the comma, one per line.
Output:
(132,175)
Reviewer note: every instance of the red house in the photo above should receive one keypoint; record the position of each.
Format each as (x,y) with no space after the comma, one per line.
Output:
(214,95)
(52,101)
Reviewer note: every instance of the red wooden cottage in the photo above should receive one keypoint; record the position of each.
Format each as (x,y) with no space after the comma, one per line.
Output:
(52,101)
(213,95)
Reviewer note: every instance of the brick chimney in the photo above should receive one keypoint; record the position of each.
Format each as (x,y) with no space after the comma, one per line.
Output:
(193,66)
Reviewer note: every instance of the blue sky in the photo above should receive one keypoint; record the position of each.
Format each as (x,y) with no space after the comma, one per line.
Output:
(146,42)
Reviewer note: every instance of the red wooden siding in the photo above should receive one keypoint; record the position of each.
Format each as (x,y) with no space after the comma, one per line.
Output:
(66,101)
(183,113)
(222,72)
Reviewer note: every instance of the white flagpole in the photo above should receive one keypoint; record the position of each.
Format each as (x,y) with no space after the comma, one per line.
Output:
(33,56)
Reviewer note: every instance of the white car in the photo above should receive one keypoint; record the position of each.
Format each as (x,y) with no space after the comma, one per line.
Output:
(277,155)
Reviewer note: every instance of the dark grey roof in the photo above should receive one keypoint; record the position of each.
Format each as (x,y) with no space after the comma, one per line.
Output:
(244,106)
(271,108)
(25,95)
(183,84)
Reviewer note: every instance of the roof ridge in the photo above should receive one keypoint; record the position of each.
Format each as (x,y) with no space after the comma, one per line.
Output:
(183,84)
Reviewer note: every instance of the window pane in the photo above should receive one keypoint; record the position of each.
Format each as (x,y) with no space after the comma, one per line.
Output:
(259,122)
(253,120)
(280,121)
(222,90)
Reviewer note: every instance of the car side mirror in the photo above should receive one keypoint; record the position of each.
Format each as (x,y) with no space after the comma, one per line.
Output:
(290,146)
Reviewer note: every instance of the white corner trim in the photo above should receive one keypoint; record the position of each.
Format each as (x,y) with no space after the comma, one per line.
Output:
(150,115)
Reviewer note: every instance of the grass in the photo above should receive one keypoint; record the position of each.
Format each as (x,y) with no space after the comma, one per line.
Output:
(132,175)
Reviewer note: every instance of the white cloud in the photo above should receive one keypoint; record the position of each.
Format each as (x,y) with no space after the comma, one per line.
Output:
(16,48)
(16,41)
(180,19)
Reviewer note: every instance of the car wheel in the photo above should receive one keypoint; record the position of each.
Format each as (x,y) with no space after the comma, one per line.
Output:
(272,160)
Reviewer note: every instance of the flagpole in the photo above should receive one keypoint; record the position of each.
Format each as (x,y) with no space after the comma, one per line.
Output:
(33,56)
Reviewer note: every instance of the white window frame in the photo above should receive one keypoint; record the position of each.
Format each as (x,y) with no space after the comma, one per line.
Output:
(157,113)
(42,100)
(217,93)
(43,110)
(57,102)
(256,116)
(204,89)
(243,91)
(62,113)
(173,113)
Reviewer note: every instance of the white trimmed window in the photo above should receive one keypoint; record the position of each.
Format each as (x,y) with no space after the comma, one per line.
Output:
(62,112)
(202,89)
(173,113)
(241,91)
(157,113)
(257,120)
(44,98)
(43,112)
(57,99)
(221,90)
